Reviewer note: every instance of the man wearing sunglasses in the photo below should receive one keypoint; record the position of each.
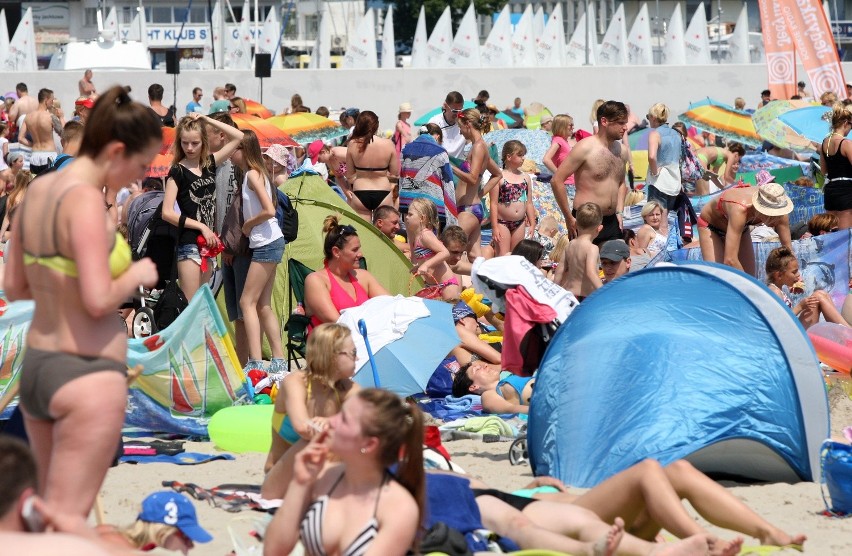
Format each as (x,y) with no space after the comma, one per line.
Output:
(447,120)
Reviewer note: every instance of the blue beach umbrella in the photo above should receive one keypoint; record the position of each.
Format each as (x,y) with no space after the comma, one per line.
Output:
(424,119)
(814,122)
(404,366)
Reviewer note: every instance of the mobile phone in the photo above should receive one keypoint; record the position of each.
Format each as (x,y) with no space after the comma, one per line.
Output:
(33,520)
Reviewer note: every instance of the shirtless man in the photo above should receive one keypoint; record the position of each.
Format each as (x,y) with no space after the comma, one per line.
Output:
(40,125)
(598,164)
(23,106)
(85,85)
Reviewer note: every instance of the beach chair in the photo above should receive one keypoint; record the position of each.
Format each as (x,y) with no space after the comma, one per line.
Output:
(297,324)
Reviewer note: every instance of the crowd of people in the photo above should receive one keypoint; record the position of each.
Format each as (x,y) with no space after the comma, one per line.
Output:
(347,461)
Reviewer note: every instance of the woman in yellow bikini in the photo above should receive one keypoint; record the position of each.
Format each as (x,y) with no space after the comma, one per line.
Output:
(712,159)
(307,399)
(67,257)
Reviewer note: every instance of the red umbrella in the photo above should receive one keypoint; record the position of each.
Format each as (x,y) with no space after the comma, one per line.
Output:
(267,133)
(257,109)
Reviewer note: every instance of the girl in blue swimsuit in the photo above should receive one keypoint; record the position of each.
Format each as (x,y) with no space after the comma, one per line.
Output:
(356,506)
(307,398)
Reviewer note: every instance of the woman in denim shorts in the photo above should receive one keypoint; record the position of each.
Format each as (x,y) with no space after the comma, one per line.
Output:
(267,243)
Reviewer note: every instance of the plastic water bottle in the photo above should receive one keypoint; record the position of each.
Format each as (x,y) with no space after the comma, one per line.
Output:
(299,310)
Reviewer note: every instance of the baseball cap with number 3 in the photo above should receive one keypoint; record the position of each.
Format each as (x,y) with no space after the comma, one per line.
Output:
(172,508)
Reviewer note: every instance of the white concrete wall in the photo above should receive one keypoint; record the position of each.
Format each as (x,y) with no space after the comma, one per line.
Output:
(570,90)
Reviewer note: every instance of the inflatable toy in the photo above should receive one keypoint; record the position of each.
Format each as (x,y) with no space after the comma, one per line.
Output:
(833,345)
(242,428)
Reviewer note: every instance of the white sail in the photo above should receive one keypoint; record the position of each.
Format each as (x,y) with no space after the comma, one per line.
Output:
(4,38)
(639,40)
(497,50)
(321,54)
(575,52)
(613,48)
(465,50)
(22,50)
(674,50)
(138,29)
(419,48)
(110,30)
(440,41)
(738,50)
(237,49)
(550,50)
(695,38)
(216,44)
(269,38)
(361,53)
(388,41)
(538,23)
(523,41)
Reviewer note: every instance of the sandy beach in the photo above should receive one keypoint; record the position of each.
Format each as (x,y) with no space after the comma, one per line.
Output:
(794,508)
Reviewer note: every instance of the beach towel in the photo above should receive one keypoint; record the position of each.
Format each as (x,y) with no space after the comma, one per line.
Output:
(228,497)
(488,425)
(524,340)
(186,458)
(464,403)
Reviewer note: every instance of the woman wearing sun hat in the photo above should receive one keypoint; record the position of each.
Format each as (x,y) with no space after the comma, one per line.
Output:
(402,134)
(279,163)
(724,222)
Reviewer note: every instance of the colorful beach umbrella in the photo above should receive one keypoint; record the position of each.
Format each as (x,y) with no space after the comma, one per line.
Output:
(723,120)
(424,119)
(159,166)
(257,109)
(771,127)
(813,122)
(267,134)
(305,128)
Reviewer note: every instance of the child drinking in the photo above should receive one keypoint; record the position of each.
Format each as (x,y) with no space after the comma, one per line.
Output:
(192,184)
(511,201)
(267,244)
(579,271)
(782,269)
(428,255)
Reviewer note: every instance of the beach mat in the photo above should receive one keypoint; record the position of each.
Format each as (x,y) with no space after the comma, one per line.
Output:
(186,458)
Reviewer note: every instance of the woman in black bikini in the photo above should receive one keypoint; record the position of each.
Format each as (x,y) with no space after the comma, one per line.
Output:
(835,160)
(369,160)
(356,506)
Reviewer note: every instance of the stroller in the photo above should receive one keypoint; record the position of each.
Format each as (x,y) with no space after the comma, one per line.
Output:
(149,236)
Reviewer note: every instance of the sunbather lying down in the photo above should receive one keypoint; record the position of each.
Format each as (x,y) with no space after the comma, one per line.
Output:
(648,498)
(510,395)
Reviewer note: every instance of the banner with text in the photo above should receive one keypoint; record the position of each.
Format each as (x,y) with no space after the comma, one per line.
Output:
(778,46)
(811,35)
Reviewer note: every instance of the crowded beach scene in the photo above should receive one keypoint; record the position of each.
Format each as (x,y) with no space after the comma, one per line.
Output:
(367,278)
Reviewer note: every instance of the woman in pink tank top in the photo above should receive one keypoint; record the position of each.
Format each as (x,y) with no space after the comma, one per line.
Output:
(340,284)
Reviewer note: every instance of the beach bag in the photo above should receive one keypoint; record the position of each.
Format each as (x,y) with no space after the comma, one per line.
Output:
(287,216)
(172,302)
(836,459)
(233,239)
(433,291)
(690,169)
(444,539)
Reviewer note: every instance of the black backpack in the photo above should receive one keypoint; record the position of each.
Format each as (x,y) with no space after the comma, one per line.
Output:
(287,217)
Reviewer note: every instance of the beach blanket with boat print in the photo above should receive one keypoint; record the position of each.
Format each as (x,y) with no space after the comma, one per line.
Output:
(190,369)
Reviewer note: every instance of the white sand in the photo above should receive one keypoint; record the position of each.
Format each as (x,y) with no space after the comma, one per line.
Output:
(794,508)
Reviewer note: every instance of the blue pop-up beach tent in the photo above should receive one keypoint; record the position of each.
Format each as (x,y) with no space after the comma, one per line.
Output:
(695,361)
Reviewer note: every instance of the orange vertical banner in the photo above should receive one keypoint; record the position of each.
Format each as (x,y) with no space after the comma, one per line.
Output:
(808,27)
(778,45)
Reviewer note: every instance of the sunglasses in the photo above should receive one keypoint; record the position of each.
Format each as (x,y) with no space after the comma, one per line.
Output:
(347,229)
(353,354)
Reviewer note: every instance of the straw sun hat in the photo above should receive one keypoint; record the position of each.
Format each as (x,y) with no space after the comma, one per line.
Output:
(771,199)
